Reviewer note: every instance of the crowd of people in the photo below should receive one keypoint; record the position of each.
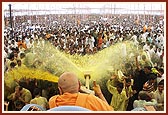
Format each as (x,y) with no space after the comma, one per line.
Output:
(86,37)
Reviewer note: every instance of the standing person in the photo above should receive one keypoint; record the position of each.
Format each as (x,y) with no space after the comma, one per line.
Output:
(140,78)
(160,75)
(69,86)
(22,43)
(39,100)
(149,85)
(128,89)
(19,64)
(100,41)
(10,59)
(119,97)
(159,96)
(95,34)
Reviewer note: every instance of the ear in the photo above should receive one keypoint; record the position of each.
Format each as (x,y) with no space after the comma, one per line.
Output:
(60,90)
(79,85)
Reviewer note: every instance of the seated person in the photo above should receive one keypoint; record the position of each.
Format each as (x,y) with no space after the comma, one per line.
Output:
(39,100)
(144,100)
(69,86)
(20,97)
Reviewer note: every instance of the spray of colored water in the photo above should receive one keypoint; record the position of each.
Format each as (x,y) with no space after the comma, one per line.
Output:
(26,73)
(47,57)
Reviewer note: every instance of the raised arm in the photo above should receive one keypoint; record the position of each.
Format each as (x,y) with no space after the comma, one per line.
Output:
(110,85)
(137,63)
(98,91)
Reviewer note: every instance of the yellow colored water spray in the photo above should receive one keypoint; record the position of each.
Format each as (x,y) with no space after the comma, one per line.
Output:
(50,63)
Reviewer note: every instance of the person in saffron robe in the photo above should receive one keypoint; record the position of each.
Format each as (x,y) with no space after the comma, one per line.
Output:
(69,87)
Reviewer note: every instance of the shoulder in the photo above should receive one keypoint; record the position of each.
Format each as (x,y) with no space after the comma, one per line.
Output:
(83,94)
(94,99)
(156,92)
(53,98)
(33,101)
(136,101)
(43,98)
(51,101)
(123,92)
(88,97)
(25,90)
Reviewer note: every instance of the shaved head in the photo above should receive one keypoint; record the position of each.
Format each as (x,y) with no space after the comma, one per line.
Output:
(68,82)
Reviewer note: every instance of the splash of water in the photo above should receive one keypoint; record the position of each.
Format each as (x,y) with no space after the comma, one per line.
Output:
(26,73)
(47,57)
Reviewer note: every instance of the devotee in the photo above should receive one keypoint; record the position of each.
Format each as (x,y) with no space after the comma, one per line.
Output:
(119,98)
(69,87)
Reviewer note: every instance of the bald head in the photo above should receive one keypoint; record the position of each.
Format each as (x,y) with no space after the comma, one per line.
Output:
(68,82)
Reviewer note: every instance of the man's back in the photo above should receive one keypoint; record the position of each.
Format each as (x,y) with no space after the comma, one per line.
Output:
(26,95)
(88,101)
(42,101)
(69,86)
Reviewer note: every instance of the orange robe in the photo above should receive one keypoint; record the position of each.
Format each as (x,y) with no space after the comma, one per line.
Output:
(144,28)
(88,101)
(48,36)
(100,42)
(23,45)
(149,29)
